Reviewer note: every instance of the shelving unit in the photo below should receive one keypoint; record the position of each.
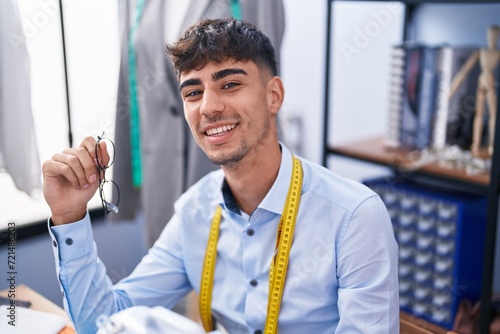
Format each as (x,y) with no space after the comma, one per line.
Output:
(374,151)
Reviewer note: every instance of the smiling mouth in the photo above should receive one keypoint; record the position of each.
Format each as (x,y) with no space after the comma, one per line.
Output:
(220,130)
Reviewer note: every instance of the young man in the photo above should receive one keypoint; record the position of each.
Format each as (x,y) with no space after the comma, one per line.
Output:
(323,245)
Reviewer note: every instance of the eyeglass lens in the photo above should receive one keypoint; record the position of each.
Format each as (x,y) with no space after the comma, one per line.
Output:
(106,187)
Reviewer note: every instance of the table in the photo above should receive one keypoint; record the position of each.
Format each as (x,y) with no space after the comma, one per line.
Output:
(413,325)
(40,303)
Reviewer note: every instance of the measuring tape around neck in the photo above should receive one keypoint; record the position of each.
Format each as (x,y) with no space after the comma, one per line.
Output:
(279,263)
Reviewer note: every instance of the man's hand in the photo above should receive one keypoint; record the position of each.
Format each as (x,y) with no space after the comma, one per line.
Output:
(71,179)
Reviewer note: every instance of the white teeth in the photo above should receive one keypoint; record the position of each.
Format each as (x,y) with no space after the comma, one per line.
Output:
(220,129)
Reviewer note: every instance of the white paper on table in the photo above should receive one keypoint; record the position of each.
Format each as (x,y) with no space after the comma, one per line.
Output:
(145,320)
(30,321)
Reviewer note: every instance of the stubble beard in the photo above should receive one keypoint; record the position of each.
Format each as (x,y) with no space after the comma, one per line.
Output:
(231,159)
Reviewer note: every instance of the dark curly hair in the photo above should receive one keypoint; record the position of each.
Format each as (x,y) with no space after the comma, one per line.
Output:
(215,41)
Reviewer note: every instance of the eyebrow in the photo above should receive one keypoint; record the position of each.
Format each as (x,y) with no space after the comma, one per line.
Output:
(189,82)
(216,76)
(228,71)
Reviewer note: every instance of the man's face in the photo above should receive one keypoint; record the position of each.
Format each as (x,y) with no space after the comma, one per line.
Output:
(231,109)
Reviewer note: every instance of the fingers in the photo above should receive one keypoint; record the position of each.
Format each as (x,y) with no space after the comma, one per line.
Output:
(79,165)
(76,165)
(99,153)
(103,157)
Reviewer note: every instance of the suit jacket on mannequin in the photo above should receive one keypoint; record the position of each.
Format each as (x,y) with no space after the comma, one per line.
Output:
(172,161)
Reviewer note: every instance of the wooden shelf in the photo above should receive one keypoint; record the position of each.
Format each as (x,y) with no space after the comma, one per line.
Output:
(374,150)
(413,325)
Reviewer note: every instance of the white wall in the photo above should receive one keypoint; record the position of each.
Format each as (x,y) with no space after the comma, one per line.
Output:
(302,69)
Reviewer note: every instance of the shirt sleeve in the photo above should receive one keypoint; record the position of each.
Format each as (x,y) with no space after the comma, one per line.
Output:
(159,279)
(368,272)
(82,276)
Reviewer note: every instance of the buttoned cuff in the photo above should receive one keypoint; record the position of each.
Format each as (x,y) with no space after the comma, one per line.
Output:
(72,241)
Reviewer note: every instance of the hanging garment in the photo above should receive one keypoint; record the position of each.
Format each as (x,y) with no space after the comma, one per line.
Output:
(18,147)
(171,159)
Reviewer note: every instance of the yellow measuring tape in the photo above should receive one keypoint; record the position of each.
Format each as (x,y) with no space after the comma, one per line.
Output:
(279,264)
(207,278)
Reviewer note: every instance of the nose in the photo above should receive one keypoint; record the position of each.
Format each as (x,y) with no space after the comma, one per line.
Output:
(211,103)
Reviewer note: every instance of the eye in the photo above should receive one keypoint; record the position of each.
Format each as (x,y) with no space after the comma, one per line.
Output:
(192,94)
(230,85)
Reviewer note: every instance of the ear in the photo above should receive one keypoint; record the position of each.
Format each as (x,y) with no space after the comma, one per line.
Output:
(275,94)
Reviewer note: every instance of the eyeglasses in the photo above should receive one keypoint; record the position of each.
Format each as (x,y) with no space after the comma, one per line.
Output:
(106,186)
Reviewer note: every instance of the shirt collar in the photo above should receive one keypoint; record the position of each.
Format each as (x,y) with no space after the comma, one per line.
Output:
(227,198)
(275,198)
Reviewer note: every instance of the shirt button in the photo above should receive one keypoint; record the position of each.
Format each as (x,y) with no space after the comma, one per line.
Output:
(54,243)
(250,232)
(253,283)
(258,331)
(69,241)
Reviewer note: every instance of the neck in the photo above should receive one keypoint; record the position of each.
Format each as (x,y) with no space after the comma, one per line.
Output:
(252,178)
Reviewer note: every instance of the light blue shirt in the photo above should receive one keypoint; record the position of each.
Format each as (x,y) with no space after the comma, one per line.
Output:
(342,274)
